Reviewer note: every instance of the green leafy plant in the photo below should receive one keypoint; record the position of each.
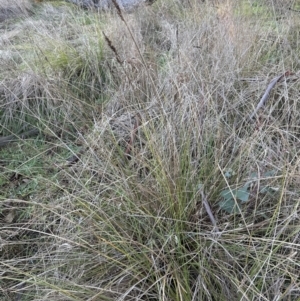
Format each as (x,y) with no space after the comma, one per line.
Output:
(234,198)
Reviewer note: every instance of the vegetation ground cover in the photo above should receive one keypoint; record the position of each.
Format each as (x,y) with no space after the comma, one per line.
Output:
(147,180)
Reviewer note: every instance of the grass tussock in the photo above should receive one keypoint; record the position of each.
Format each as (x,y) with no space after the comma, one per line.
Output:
(169,192)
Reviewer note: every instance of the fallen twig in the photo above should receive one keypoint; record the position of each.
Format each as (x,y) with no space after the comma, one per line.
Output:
(208,210)
(15,137)
(267,93)
(132,138)
(295,10)
(74,158)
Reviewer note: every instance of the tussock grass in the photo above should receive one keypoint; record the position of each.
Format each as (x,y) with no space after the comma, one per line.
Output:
(158,110)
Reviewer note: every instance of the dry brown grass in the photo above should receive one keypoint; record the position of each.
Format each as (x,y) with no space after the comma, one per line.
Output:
(127,221)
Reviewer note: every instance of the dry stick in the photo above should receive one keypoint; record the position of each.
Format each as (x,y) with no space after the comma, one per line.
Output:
(177,43)
(75,157)
(132,138)
(13,138)
(267,93)
(208,210)
(295,10)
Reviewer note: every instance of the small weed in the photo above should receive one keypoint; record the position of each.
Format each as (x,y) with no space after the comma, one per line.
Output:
(234,198)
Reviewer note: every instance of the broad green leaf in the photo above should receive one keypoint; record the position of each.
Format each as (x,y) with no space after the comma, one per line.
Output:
(268,189)
(229,206)
(241,194)
(270,173)
(226,194)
